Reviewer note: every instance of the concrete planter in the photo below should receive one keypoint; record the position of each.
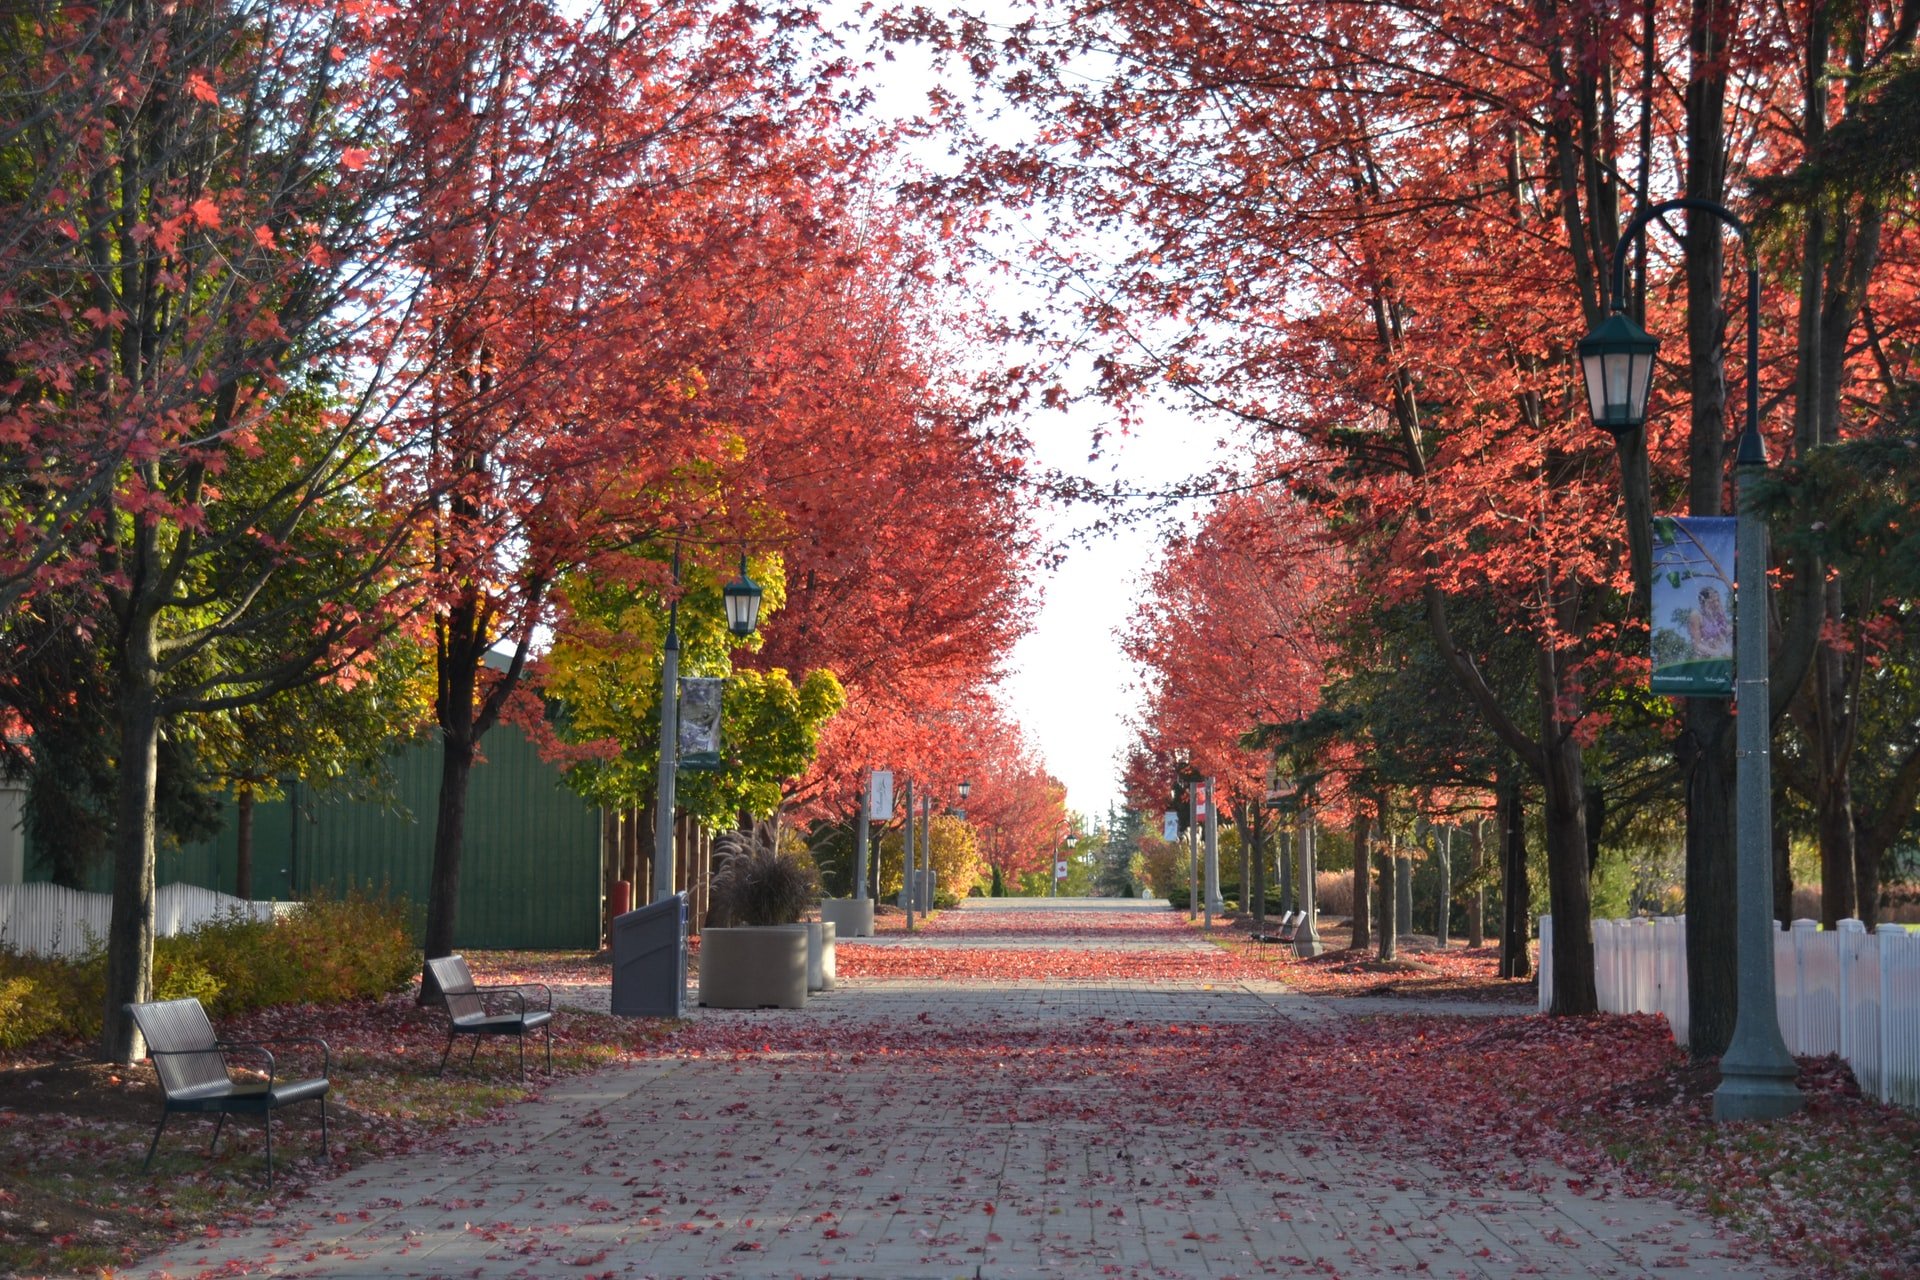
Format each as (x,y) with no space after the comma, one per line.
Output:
(820,959)
(754,968)
(853,916)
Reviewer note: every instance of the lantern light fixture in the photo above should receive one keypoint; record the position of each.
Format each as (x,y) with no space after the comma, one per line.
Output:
(742,597)
(1617,361)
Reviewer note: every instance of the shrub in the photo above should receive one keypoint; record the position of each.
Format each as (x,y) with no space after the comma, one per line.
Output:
(353,947)
(1333,892)
(326,951)
(50,997)
(26,1012)
(178,975)
(758,884)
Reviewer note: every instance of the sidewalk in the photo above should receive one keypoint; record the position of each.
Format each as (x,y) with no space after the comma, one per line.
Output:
(900,1129)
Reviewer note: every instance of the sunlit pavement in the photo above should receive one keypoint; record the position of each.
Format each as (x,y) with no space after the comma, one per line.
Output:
(930,1129)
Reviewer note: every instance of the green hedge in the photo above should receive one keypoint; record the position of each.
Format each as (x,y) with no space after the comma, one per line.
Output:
(327,951)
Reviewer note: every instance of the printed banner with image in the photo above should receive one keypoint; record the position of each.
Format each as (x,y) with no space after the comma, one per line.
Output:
(700,721)
(1693,606)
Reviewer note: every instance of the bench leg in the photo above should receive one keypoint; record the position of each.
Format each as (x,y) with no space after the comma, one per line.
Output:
(155,1144)
(522,1038)
(324,1154)
(447,1054)
(549,1048)
(269,1149)
(219,1120)
(475,1054)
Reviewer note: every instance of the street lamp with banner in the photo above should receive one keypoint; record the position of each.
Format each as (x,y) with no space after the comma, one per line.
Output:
(742,597)
(1757,1073)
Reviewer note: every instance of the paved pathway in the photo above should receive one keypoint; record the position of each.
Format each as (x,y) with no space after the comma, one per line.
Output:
(899,1129)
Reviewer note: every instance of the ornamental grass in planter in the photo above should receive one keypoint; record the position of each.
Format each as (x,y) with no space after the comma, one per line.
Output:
(753,953)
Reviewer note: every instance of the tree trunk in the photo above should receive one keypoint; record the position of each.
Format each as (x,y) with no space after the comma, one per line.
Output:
(1711,956)
(130,927)
(1516,926)
(1867,886)
(449,833)
(1565,812)
(1833,789)
(1246,853)
(1389,901)
(1257,871)
(1782,870)
(1706,757)
(1477,905)
(243,842)
(1402,891)
(1362,880)
(1284,837)
(1443,900)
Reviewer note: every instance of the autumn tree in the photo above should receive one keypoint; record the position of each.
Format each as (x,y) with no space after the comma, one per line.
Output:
(607,198)
(204,300)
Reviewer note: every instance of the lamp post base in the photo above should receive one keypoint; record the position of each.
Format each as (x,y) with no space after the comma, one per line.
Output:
(1756,1094)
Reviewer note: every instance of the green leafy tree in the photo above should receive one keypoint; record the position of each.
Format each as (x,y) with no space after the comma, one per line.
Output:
(604,677)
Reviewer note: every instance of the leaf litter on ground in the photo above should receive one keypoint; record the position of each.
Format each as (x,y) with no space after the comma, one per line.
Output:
(1830,1192)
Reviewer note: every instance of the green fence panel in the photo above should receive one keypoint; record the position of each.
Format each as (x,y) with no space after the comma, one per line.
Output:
(530,866)
(529,870)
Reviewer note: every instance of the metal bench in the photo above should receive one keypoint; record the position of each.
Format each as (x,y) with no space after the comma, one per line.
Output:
(195,1074)
(1290,925)
(469,1015)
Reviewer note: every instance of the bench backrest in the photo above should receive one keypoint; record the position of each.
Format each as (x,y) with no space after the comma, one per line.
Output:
(186,1055)
(455,980)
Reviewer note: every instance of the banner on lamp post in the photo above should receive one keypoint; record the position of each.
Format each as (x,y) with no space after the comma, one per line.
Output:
(880,796)
(1169,826)
(1693,606)
(1060,870)
(700,698)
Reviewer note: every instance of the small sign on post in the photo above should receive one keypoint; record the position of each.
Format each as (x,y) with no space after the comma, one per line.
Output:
(880,796)
(1060,870)
(1169,826)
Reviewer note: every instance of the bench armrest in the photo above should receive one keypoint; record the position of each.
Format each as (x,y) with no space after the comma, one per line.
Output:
(519,990)
(260,1047)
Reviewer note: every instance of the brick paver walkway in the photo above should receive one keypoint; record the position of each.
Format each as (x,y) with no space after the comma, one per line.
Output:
(773,1145)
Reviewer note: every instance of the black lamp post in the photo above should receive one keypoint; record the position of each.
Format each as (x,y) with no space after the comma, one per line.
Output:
(1757,1073)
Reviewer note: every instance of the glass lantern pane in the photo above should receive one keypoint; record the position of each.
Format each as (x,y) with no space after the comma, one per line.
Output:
(1619,385)
(1596,387)
(1642,381)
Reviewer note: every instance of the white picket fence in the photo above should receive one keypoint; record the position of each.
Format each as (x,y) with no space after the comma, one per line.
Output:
(50,920)
(1844,991)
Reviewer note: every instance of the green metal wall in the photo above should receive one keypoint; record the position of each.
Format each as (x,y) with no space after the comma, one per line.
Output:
(529,873)
(530,866)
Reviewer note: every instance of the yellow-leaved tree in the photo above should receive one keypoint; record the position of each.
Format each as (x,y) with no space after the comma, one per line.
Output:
(957,865)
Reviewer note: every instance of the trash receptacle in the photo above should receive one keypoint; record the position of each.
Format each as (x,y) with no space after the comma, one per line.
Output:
(650,960)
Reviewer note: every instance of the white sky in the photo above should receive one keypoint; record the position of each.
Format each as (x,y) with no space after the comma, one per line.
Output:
(1068,683)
